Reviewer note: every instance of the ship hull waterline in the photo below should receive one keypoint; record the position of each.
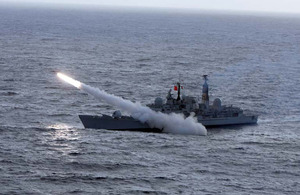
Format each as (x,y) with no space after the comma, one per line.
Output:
(130,124)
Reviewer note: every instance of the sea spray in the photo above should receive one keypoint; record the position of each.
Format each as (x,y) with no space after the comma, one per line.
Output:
(171,123)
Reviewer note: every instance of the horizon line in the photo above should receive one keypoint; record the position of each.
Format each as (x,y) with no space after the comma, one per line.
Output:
(97,6)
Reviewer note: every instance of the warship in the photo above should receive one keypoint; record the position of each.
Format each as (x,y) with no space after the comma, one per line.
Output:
(209,115)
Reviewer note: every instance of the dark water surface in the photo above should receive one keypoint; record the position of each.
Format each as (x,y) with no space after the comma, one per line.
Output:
(253,62)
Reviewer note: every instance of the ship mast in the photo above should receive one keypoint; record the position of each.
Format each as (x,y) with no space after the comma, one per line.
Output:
(178,91)
(205,97)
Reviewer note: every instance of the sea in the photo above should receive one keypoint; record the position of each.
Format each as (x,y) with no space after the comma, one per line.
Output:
(252,61)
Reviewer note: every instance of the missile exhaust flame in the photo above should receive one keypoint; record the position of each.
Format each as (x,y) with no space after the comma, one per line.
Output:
(171,123)
(69,80)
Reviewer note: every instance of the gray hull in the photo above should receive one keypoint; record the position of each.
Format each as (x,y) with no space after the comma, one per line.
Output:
(129,123)
(241,120)
(110,123)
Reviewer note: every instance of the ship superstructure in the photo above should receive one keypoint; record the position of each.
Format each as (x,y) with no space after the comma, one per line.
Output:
(203,110)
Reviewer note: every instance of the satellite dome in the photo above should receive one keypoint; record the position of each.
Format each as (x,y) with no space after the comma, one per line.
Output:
(158,101)
(117,114)
(217,104)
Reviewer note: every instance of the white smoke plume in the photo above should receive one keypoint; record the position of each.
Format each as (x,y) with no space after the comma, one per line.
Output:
(171,123)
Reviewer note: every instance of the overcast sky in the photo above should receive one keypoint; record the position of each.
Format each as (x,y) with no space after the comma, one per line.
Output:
(289,6)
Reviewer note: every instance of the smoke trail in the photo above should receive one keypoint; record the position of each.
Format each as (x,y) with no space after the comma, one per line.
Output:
(171,123)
